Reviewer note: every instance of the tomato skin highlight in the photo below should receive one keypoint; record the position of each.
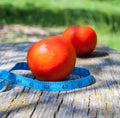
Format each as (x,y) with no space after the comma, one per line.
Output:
(83,39)
(51,59)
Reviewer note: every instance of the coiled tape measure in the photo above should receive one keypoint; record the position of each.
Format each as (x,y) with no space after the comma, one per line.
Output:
(65,85)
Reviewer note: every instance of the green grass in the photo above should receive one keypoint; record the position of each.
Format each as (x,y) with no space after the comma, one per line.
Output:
(102,15)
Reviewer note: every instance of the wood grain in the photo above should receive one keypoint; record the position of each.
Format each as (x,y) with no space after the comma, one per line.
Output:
(100,100)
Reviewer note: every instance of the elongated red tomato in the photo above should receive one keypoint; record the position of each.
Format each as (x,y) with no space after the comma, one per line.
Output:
(83,38)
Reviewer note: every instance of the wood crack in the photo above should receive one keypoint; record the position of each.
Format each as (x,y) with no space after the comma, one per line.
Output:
(58,108)
(88,111)
(96,114)
(58,95)
(10,105)
(36,105)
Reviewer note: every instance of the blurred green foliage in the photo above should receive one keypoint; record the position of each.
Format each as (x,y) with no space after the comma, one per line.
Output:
(102,15)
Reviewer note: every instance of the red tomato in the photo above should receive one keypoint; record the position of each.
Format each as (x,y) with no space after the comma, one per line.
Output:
(51,59)
(83,38)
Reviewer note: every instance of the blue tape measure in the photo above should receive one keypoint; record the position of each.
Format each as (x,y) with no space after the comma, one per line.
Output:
(85,79)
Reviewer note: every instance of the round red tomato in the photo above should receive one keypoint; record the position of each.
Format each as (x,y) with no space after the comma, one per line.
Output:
(83,38)
(51,59)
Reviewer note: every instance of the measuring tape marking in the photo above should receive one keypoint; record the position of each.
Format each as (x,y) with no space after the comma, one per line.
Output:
(43,85)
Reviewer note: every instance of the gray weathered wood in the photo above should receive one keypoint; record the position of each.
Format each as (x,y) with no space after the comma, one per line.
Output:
(100,100)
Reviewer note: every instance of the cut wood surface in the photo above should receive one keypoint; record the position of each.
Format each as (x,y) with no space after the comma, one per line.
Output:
(99,100)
